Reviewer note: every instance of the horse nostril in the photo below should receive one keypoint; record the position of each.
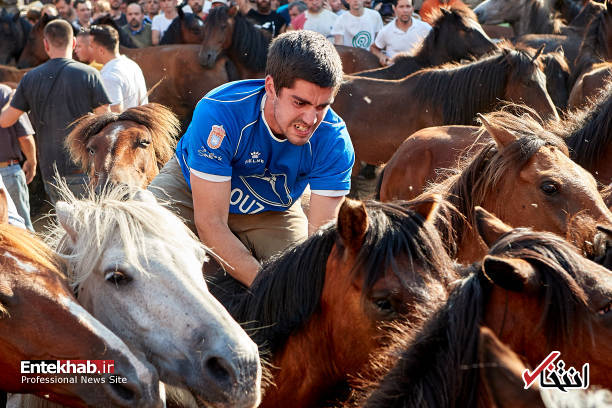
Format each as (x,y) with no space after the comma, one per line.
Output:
(220,370)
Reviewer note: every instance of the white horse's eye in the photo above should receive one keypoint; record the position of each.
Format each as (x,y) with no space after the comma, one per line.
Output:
(117,277)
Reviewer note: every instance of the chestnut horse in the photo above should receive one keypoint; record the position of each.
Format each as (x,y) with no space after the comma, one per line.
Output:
(380,114)
(128,147)
(227,32)
(33,53)
(319,309)
(589,85)
(525,175)
(455,35)
(535,291)
(41,320)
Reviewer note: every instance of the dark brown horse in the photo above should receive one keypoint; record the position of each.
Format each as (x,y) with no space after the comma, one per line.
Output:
(227,32)
(535,292)
(355,279)
(381,114)
(41,320)
(14,31)
(455,35)
(128,147)
(33,53)
(525,175)
(186,28)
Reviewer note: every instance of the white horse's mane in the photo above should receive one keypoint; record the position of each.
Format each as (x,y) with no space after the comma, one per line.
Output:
(116,214)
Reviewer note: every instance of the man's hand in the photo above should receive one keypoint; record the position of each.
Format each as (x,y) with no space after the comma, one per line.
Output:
(29,169)
(384,60)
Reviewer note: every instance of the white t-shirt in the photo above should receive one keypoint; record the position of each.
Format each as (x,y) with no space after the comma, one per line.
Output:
(358,31)
(393,40)
(323,22)
(124,82)
(161,24)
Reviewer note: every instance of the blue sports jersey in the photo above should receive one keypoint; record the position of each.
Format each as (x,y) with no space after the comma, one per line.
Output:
(228,138)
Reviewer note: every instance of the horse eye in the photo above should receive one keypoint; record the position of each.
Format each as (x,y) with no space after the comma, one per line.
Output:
(91,151)
(384,305)
(117,277)
(549,188)
(144,143)
(606,309)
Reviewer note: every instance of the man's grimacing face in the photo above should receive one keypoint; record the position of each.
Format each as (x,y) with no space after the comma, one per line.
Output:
(300,109)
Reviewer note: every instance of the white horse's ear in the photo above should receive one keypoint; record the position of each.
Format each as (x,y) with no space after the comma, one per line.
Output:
(65,216)
(145,196)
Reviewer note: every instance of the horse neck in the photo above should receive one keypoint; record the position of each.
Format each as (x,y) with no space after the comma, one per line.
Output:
(536,20)
(244,72)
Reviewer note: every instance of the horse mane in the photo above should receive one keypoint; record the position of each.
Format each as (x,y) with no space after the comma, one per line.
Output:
(162,124)
(590,9)
(472,180)
(272,309)
(173,34)
(541,19)
(249,43)
(116,212)
(593,47)
(462,91)
(431,42)
(438,367)
(124,39)
(587,132)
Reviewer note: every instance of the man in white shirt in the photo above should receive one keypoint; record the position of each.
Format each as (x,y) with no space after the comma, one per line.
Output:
(358,27)
(319,19)
(404,34)
(162,21)
(122,77)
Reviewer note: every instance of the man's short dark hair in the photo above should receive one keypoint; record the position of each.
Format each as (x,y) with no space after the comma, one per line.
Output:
(303,55)
(77,2)
(58,33)
(105,35)
(65,1)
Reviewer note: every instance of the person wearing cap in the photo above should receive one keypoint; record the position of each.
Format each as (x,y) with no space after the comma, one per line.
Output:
(251,150)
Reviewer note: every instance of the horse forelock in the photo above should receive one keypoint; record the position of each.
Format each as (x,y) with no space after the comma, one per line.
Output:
(113,215)
(588,131)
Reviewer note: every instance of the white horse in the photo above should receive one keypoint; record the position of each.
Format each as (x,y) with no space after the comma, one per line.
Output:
(138,269)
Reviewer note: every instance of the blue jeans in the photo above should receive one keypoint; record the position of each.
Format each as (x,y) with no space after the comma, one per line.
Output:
(15,182)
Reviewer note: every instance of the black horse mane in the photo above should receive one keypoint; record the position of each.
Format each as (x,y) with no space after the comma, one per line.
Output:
(435,368)
(462,91)
(593,48)
(173,34)
(287,291)
(587,132)
(249,43)
(124,39)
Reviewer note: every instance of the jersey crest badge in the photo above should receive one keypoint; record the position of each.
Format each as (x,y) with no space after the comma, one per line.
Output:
(215,137)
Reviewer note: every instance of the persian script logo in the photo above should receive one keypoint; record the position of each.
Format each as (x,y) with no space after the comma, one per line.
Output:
(554,374)
(215,137)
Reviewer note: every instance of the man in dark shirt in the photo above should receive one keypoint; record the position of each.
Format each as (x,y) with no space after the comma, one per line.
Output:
(136,28)
(267,19)
(13,141)
(56,93)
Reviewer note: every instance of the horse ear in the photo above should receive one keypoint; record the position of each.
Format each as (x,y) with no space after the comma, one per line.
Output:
(65,216)
(352,223)
(501,136)
(538,52)
(428,208)
(3,207)
(560,50)
(509,273)
(181,13)
(233,11)
(145,196)
(489,227)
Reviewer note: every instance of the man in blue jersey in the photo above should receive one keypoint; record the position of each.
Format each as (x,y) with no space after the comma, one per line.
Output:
(252,148)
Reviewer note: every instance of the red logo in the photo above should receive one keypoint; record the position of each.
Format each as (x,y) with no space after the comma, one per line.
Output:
(553,373)
(215,137)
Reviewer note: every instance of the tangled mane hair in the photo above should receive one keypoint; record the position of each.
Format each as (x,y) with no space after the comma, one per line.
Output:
(465,90)
(272,310)
(478,176)
(249,43)
(594,45)
(434,367)
(120,212)
(161,122)
(22,244)
(587,132)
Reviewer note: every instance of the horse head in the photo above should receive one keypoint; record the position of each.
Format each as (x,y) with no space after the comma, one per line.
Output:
(14,31)
(34,53)
(47,304)
(138,269)
(124,148)
(218,34)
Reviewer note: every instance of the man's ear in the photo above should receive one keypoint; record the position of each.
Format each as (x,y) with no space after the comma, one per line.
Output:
(269,85)
(73,43)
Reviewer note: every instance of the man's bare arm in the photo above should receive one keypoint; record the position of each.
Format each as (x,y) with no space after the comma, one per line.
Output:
(211,209)
(383,60)
(118,108)
(28,147)
(338,40)
(322,210)
(101,109)
(9,116)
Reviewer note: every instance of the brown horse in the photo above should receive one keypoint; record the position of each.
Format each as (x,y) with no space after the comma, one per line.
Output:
(355,279)
(41,320)
(128,147)
(186,28)
(455,35)
(381,114)
(228,32)
(523,161)
(535,292)
(589,85)
(11,74)
(33,53)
